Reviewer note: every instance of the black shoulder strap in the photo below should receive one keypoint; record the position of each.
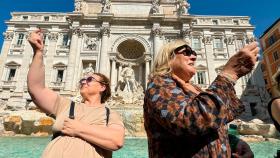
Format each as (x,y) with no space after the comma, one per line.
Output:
(71,112)
(71,116)
(107,115)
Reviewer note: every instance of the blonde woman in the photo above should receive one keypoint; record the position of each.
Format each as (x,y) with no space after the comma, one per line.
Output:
(90,132)
(182,120)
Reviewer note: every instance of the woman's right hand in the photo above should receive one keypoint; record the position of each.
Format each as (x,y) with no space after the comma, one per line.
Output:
(242,62)
(36,40)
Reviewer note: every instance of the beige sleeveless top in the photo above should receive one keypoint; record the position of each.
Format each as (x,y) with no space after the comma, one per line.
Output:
(72,147)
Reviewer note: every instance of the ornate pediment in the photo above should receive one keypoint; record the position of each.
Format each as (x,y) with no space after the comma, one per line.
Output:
(201,67)
(59,64)
(12,63)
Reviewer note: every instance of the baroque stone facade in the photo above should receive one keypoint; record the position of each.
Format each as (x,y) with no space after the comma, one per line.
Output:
(112,35)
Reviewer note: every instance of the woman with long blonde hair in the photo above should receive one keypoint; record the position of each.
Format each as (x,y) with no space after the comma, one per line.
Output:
(182,120)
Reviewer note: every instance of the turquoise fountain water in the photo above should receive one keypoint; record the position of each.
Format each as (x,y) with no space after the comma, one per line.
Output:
(31,147)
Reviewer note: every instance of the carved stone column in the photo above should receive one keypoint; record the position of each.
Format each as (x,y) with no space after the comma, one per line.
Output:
(69,85)
(8,37)
(27,54)
(157,33)
(229,40)
(113,75)
(119,71)
(209,53)
(104,59)
(186,33)
(51,51)
(147,70)
(141,73)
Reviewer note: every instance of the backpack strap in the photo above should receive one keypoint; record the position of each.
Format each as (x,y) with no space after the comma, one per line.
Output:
(71,111)
(107,115)
(71,116)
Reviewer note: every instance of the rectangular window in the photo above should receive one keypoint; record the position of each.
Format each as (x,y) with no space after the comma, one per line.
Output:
(218,43)
(235,22)
(196,43)
(46,18)
(59,77)
(25,17)
(201,77)
(239,44)
(65,40)
(20,39)
(215,22)
(12,74)
(276,56)
(271,40)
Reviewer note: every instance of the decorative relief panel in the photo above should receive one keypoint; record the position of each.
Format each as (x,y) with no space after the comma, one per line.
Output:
(8,35)
(53,36)
(170,38)
(16,17)
(57,18)
(226,21)
(244,21)
(207,39)
(90,43)
(186,32)
(105,30)
(77,31)
(157,31)
(36,17)
(250,39)
(229,40)
(205,21)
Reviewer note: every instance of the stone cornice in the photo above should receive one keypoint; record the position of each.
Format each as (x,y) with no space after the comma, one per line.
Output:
(222,27)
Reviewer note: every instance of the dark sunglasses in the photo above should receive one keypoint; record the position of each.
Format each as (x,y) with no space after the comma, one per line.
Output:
(186,52)
(88,80)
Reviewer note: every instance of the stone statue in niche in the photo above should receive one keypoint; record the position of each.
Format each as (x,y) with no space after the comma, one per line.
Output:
(78,5)
(129,79)
(128,90)
(106,6)
(183,8)
(155,6)
(91,44)
(88,69)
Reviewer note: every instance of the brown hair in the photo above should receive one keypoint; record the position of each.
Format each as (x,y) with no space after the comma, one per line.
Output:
(106,94)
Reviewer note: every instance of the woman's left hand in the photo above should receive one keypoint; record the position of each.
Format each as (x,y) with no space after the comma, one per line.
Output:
(71,127)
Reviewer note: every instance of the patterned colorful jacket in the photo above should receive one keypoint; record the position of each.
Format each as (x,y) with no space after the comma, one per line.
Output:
(181,124)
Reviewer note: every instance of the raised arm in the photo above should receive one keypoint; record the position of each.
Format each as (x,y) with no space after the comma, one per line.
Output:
(43,97)
(181,111)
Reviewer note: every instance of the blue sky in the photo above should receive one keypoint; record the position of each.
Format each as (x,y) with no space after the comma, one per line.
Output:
(262,13)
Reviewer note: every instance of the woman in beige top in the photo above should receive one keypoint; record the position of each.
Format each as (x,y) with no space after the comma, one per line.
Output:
(88,135)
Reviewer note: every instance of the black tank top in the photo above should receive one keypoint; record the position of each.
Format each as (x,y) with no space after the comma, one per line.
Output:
(269,111)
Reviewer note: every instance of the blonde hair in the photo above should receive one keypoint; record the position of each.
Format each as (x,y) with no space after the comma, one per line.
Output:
(161,63)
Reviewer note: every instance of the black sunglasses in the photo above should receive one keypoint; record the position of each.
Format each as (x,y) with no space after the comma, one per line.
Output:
(185,50)
(88,80)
